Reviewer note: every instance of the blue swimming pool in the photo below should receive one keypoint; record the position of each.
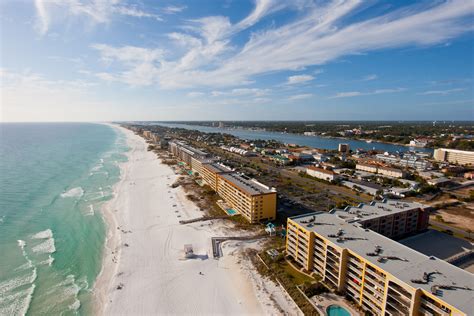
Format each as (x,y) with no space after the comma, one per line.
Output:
(336,310)
(231,211)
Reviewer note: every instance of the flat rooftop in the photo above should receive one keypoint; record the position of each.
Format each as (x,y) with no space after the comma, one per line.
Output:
(191,149)
(251,186)
(217,167)
(375,209)
(402,262)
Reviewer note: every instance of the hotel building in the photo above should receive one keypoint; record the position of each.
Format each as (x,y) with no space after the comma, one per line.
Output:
(393,219)
(460,157)
(253,200)
(379,274)
(185,152)
(210,173)
(248,197)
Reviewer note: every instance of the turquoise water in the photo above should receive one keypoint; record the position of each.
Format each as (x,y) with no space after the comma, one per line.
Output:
(231,211)
(53,180)
(336,310)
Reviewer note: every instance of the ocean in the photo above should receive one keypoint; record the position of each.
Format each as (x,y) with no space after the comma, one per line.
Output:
(54,177)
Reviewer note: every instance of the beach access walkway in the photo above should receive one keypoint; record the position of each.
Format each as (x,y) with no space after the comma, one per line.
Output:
(216,242)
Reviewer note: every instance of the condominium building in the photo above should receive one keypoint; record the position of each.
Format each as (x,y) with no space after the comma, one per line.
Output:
(381,275)
(321,173)
(210,173)
(391,218)
(461,157)
(185,152)
(248,197)
(253,200)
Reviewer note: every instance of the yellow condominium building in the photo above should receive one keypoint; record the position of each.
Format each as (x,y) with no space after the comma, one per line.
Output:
(381,275)
(210,171)
(460,157)
(253,200)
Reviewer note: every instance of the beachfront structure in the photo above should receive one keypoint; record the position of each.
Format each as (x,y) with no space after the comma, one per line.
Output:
(379,274)
(460,157)
(386,171)
(253,200)
(197,164)
(248,197)
(391,218)
(210,173)
(321,173)
(185,152)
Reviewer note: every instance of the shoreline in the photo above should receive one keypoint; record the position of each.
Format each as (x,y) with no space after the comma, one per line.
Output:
(143,271)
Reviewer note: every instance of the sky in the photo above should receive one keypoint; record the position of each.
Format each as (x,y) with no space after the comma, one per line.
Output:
(124,60)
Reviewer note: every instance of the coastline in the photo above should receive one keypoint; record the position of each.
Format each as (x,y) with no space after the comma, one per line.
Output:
(143,271)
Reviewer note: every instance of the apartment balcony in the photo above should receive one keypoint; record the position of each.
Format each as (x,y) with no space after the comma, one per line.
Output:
(396,310)
(371,306)
(398,296)
(428,305)
(399,290)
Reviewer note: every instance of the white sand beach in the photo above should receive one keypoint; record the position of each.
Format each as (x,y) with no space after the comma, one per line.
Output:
(144,272)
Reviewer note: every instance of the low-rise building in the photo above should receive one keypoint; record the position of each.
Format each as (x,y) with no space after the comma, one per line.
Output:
(321,173)
(253,200)
(367,167)
(386,171)
(391,172)
(380,275)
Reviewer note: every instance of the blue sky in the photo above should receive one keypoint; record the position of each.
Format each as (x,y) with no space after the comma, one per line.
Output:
(102,60)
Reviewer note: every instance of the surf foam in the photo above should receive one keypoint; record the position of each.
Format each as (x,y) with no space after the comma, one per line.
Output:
(74,192)
(45,234)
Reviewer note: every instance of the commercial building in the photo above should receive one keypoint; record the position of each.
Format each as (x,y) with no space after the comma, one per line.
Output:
(386,171)
(253,200)
(210,173)
(367,167)
(408,160)
(460,157)
(381,275)
(321,173)
(391,172)
(344,148)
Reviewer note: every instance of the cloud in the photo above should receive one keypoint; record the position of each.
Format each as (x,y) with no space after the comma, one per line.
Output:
(173,9)
(321,34)
(97,11)
(370,77)
(141,64)
(255,92)
(442,92)
(299,79)
(30,96)
(358,93)
(195,94)
(300,96)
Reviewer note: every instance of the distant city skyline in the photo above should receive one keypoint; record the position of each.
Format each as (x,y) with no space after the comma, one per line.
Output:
(119,60)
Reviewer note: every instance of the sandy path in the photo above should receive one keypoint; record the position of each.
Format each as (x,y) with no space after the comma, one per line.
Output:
(154,278)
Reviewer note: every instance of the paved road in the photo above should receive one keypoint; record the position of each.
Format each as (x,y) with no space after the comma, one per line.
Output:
(457,231)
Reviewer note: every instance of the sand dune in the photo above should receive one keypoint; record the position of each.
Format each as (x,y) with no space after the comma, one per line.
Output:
(144,272)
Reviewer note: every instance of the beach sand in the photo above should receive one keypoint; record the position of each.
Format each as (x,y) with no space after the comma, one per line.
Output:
(144,272)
